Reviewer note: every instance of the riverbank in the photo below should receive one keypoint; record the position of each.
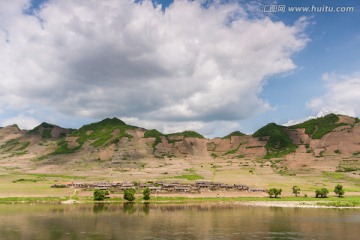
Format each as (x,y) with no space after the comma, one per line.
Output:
(284,202)
(301,204)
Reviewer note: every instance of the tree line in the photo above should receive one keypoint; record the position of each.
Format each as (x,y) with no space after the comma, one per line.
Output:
(129,194)
(319,193)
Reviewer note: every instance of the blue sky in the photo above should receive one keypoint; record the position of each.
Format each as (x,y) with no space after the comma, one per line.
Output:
(184,66)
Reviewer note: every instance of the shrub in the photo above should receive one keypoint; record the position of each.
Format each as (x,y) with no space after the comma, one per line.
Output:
(338,190)
(186,134)
(99,133)
(296,190)
(279,143)
(100,195)
(153,133)
(146,193)
(321,193)
(129,195)
(319,127)
(274,192)
(236,133)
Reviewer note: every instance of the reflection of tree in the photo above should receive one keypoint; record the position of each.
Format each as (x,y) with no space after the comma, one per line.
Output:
(146,208)
(280,224)
(99,207)
(129,208)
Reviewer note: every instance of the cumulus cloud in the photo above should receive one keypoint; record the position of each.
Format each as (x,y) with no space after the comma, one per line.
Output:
(24,122)
(297,121)
(208,129)
(119,58)
(341,96)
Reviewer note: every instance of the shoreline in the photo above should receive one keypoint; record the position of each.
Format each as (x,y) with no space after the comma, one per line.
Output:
(292,204)
(349,202)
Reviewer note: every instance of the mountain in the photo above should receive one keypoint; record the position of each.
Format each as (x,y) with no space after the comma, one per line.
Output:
(48,131)
(113,141)
(278,141)
(320,152)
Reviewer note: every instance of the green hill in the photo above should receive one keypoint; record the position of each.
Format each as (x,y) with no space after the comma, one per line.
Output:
(153,133)
(99,134)
(186,134)
(44,129)
(318,127)
(236,133)
(279,142)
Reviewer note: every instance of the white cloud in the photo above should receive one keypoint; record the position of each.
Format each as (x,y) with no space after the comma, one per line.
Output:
(104,58)
(341,96)
(208,129)
(24,122)
(297,121)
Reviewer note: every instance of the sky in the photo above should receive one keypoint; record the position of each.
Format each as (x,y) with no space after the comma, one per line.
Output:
(209,66)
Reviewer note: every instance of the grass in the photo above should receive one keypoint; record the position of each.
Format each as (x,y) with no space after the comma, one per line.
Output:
(233,151)
(24,145)
(44,175)
(17,147)
(42,125)
(347,168)
(236,133)
(99,133)
(10,200)
(190,177)
(46,133)
(18,153)
(153,133)
(187,134)
(10,144)
(279,143)
(26,180)
(63,148)
(341,176)
(351,201)
(319,127)
(340,204)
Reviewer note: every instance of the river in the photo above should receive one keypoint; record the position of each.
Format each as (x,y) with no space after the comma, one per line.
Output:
(185,221)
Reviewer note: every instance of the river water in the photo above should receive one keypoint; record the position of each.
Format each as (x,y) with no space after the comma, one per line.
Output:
(162,221)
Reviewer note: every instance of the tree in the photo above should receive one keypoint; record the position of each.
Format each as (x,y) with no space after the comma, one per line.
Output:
(129,195)
(339,190)
(321,193)
(100,195)
(274,192)
(146,193)
(296,190)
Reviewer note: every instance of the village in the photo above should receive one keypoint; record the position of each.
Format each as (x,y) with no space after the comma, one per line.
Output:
(160,186)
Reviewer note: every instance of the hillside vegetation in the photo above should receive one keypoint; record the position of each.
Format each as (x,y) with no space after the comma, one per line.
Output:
(153,133)
(186,134)
(108,135)
(278,143)
(318,127)
(99,134)
(44,129)
(236,133)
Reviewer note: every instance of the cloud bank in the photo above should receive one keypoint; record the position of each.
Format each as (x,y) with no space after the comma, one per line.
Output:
(341,95)
(96,59)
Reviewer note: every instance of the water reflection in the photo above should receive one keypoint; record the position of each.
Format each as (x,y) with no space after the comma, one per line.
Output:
(99,207)
(154,221)
(146,208)
(129,208)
